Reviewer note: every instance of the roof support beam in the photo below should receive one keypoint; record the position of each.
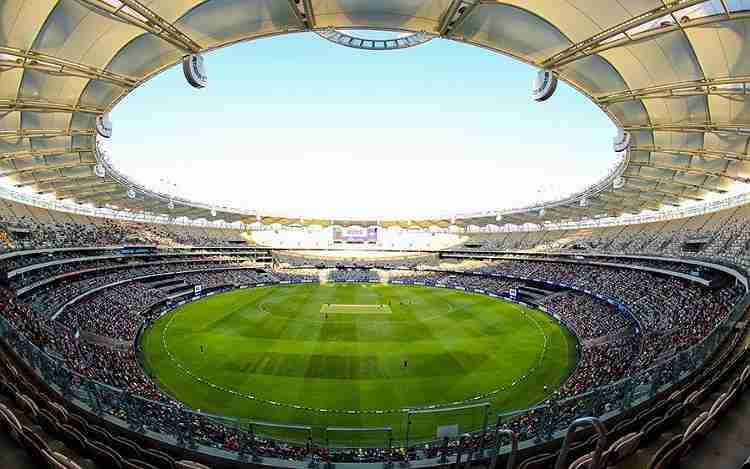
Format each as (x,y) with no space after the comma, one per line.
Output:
(135,13)
(84,189)
(690,170)
(674,195)
(37,105)
(456,14)
(83,182)
(626,39)
(674,25)
(628,198)
(38,61)
(44,133)
(48,180)
(303,10)
(110,200)
(567,211)
(711,154)
(46,152)
(584,48)
(617,203)
(656,180)
(89,194)
(699,127)
(730,86)
(45,167)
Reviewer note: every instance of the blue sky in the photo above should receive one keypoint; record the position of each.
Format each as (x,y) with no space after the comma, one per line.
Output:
(297,126)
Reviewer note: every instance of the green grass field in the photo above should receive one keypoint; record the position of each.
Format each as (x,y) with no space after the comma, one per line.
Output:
(292,359)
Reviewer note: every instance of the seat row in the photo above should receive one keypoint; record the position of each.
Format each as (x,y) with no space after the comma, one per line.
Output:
(630,435)
(58,438)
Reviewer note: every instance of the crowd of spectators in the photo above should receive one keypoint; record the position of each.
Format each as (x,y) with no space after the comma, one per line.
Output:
(311,260)
(721,235)
(353,275)
(116,312)
(30,233)
(48,298)
(587,316)
(296,275)
(677,312)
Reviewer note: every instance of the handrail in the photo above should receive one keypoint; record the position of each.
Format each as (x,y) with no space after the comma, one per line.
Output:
(499,432)
(601,442)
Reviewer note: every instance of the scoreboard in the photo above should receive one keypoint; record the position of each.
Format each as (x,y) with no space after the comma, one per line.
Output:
(355,235)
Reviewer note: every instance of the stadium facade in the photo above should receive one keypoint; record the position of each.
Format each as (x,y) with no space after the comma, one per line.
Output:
(86,246)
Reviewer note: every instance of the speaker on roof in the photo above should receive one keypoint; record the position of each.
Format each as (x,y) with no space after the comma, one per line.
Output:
(542,211)
(499,217)
(213,212)
(131,193)
(195,70)
(621,142)
(584,202)
(104,125)
(618,182)
(545,85)
(171,204)
(99,170)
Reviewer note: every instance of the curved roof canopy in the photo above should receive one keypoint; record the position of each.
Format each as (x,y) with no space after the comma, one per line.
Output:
(676,74)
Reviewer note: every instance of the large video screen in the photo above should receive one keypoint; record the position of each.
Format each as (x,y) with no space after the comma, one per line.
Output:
(355,235)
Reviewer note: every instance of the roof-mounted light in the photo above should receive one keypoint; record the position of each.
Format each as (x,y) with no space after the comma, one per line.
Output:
(195,71)
(104,125)
(621,141)
(545,85)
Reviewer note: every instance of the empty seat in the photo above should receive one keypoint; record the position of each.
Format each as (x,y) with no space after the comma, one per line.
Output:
(27,406)
(78,422)
(65,461)
(36,446)
(190,465)
(623,427)
(75,440)
(49,422)
(582,463)
(158,458)
(664,456)
(539,461)
(9,420)
(652,429)
(105,456)
(137,464)
(674,414)
(716,406)
(100,434)
(127,448)
(696,433)
(623,447)
(59,411)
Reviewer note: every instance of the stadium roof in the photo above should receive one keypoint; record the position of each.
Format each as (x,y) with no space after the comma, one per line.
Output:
(676,74)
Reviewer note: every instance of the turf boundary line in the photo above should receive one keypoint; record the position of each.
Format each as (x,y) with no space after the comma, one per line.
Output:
(184,369)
